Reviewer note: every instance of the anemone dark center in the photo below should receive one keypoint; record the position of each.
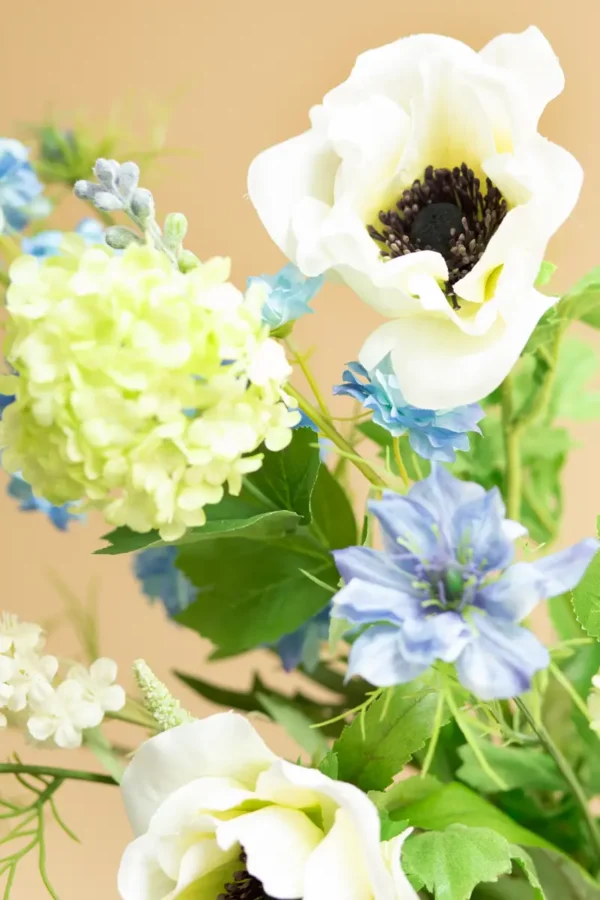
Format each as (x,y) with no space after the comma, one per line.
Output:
(244,886)
(448,211)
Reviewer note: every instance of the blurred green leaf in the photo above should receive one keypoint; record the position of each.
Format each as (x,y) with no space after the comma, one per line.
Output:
(516,766)
(296,724)
(332,511)
(586,599)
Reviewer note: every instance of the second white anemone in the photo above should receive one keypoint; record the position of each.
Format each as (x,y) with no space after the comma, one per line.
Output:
(424,184)
(216,811)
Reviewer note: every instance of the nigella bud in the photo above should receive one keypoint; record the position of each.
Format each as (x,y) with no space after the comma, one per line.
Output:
(187,261)
(107,202)
(127,180)
(175,230)
(107,171)
(142,204)
(118,237)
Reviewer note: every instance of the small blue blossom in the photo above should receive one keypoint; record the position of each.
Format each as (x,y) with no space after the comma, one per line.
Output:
(288,294)
(6,400)
(433,434)
(160,579)
(302,646)
(446,587)
(20,189)
(60,516)
(48,243)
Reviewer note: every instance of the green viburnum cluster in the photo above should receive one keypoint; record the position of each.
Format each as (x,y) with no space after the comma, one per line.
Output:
(140,388)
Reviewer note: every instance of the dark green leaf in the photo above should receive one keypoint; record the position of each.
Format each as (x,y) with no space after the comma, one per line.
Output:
(453,862)
(332,512)
(253,592)
(455,803)
(586,598)
(516,766)
(296,723)
(287,478)
(375,747)
(561,878)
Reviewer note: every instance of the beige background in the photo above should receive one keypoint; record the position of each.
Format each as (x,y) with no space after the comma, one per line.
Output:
(238,77)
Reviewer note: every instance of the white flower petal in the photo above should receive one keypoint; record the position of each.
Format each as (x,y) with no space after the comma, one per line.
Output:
(439,367)
(224,745)
(337,866)
(140,877)
(104,671)
(391,851)
(277,843)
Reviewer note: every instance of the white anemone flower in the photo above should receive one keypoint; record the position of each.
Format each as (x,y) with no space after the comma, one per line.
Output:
(214,810)
(423,183)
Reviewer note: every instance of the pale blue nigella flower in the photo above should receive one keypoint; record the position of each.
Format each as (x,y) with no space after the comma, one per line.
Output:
(48,243)
(288,294)
(20,189)
(446,587)
(303,644)
(160,579)
(433,434)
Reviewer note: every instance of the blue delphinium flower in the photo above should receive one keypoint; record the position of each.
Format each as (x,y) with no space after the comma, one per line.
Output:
(433,434)
(288,294)
(20,189)
(160,579)
(60,516)
(48,243)
(446,587)
(303,644)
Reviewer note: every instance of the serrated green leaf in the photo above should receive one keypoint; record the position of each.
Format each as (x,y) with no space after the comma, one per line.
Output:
(517,767)
(332,512)
(375,747)
(252,592)
(453,862)
(526,864)
(297,724)
(586,598)
(329,765)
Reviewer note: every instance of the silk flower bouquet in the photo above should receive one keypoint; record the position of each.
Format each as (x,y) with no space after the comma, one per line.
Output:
(457,756)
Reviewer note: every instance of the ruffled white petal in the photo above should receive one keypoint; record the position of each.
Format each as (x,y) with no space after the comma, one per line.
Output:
(140,876)
(224,745)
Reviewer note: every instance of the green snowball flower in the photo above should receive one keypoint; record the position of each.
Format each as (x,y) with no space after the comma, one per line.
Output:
(140,389)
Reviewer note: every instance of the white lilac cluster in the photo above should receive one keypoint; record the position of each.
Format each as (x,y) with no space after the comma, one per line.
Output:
(53,710)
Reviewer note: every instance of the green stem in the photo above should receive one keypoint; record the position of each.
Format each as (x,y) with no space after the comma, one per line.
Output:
(567,773)
(53,772)
(326,427)
(514,474)
(399,461)
(310,378)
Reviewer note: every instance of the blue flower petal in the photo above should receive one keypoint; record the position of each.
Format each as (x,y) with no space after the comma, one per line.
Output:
(513,596)
(562,571)
(60,516)
(501,659)
(288,294)
(20,188)
(478,525)
(407,525)
(362,603)
(377,656)
(160,579)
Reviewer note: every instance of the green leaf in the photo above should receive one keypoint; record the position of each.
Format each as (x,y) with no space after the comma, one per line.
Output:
(516,766)
(383,439)
(405,792)
(457,804)
(526,864)
(297,724)
(329,765)
(332,512)
(572,397)
(582,301)
(98,743)
(561,878)
(287,478)
(453,862)
(391,828)
(586,598)
(252,592)
(547,270)
(375,747)
(263,525)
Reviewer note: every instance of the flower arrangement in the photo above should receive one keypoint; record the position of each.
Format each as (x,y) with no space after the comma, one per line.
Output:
(456,756)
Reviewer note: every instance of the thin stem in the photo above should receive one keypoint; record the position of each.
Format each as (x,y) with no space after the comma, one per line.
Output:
(326,427)
(568,687)
(301,359)
(64,774)
(433,742)
(567,773)
(472,742)
(514,474)
(399,461)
